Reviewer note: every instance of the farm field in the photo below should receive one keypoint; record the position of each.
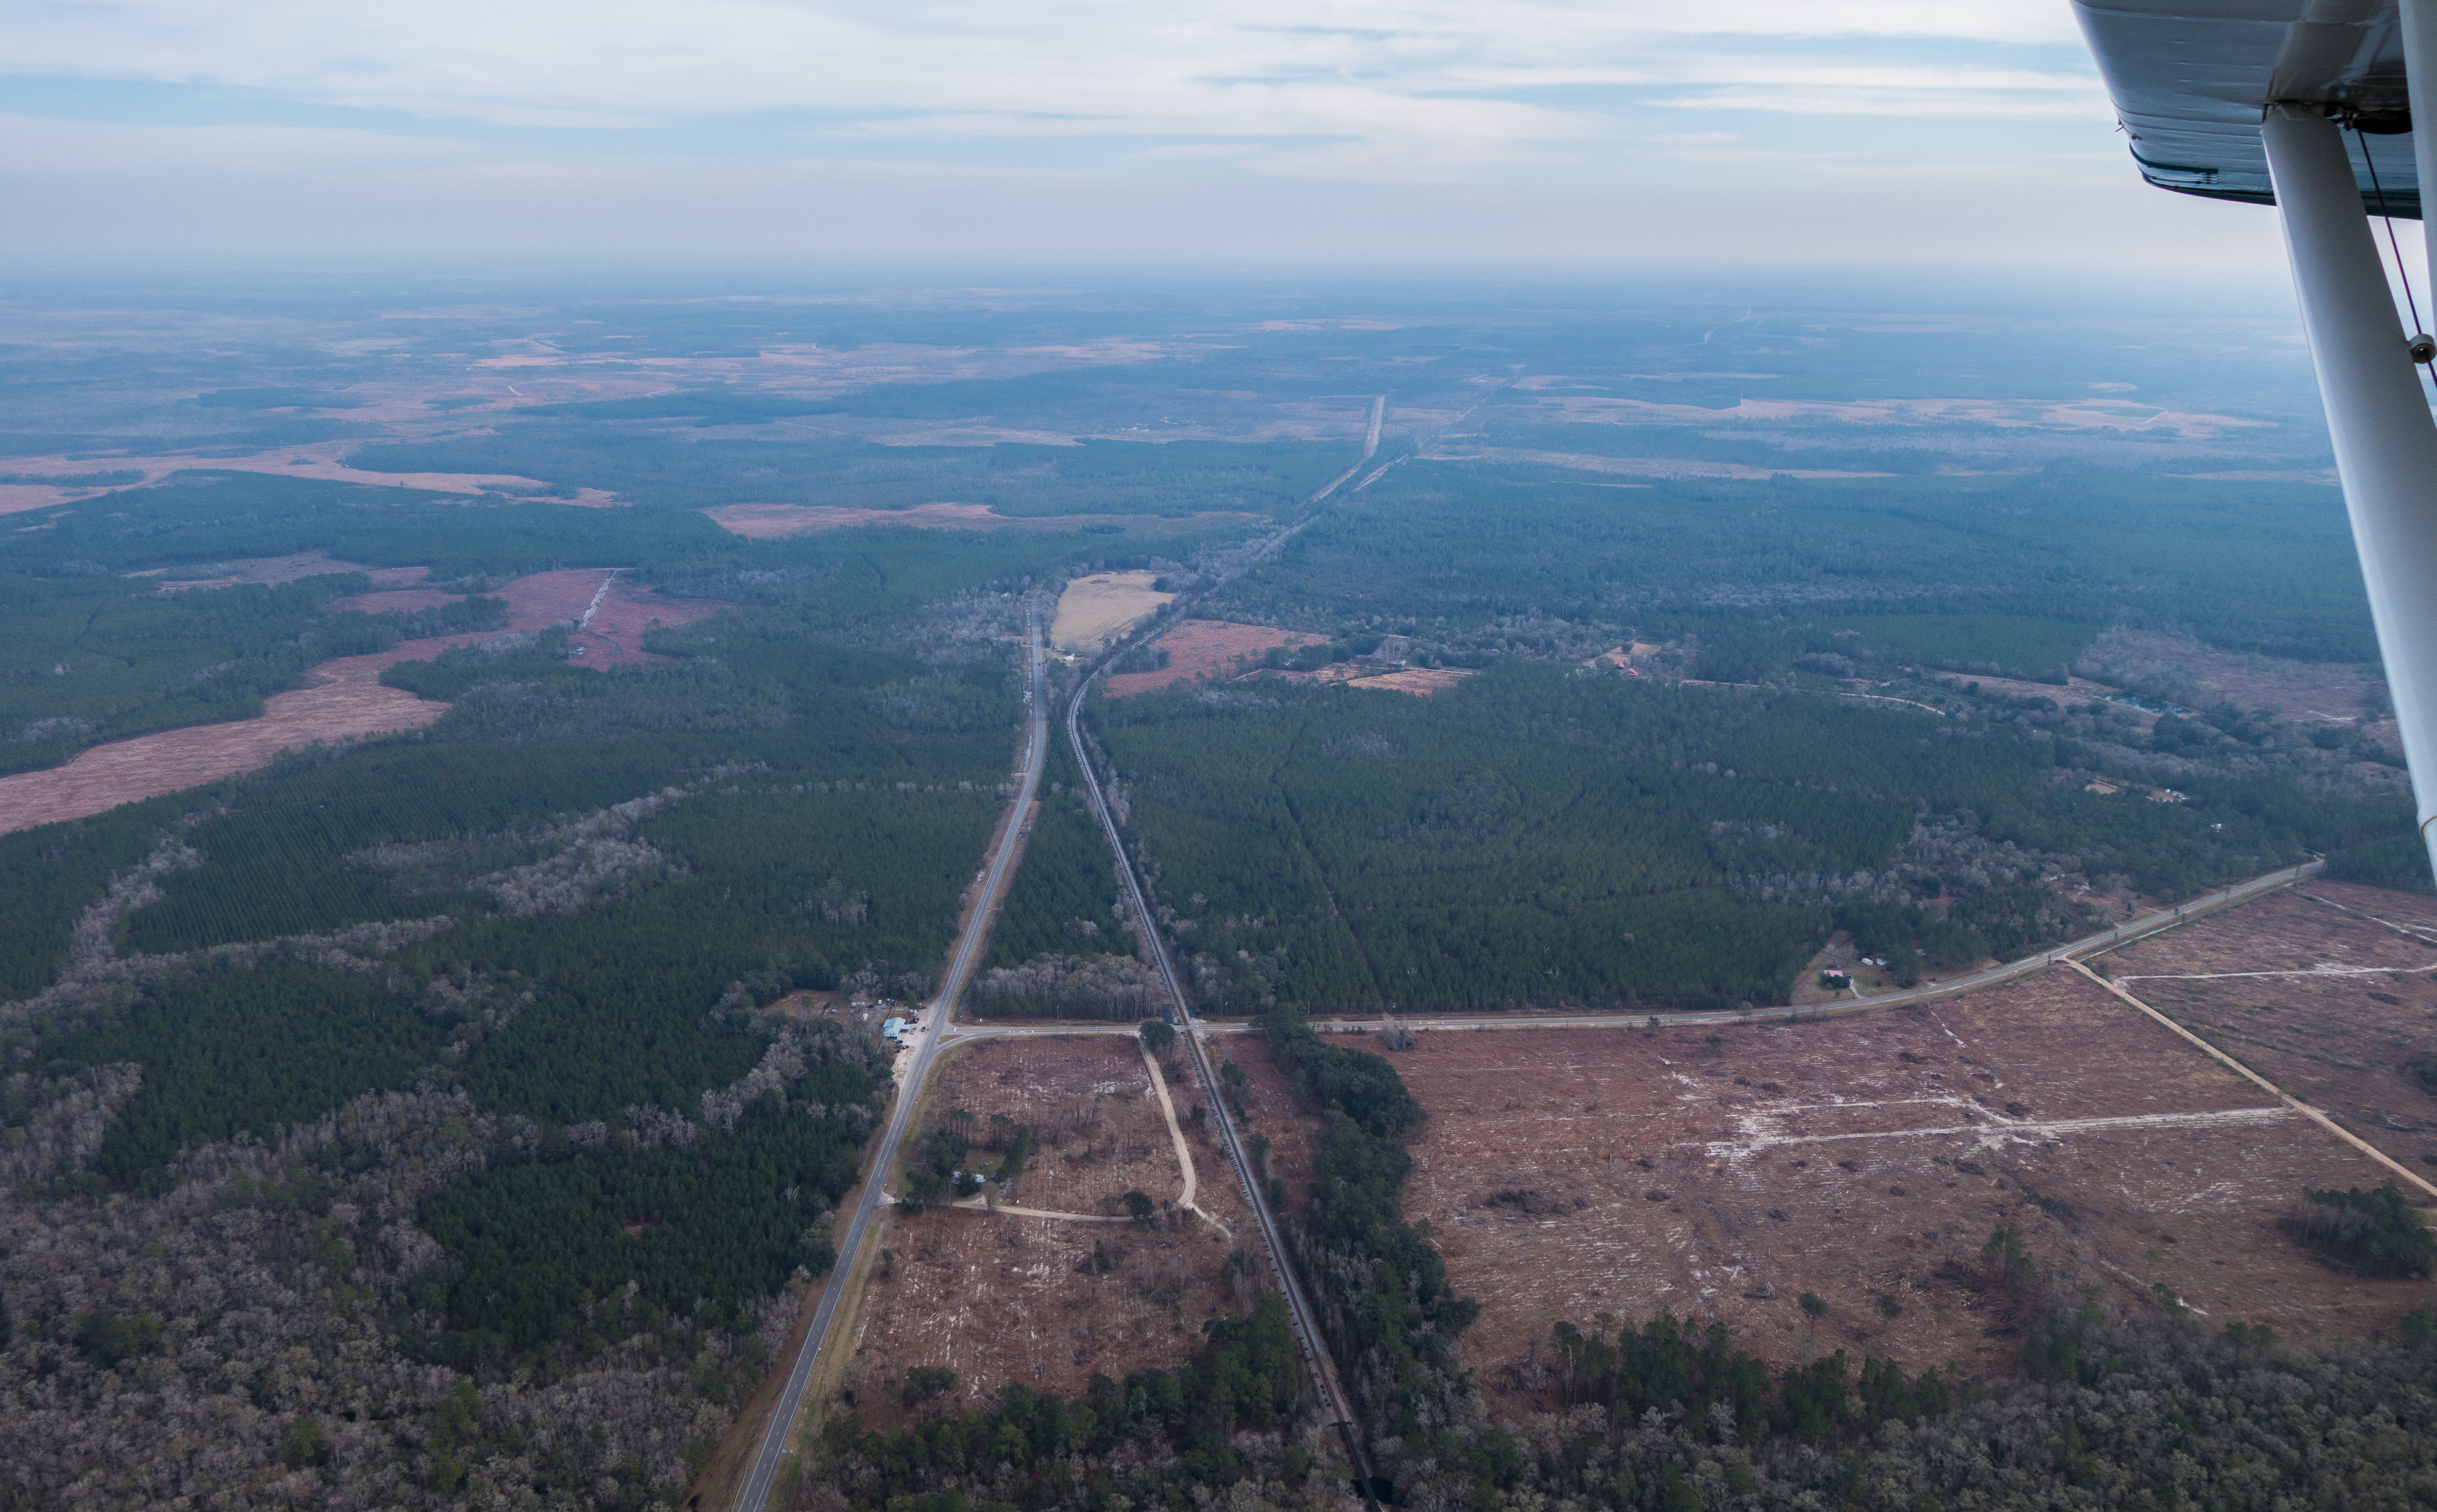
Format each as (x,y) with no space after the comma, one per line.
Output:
(1723,1173)
(1000,1298)
(2326,989)
(1197,648)
(1098,610)
(345,701)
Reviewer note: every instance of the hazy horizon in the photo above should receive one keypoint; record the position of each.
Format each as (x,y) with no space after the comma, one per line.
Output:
(1866,132)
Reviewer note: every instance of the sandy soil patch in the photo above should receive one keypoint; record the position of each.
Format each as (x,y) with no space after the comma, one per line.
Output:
(974,436)
(1100,608)
(1205,648)
(999,1298)
(1571,1173)
(769,522)
(2326,989)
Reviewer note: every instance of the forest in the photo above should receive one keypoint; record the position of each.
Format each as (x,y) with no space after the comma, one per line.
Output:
(1540,835)
(1062,899)
(101,654)
(1477,560)
(94,657)
(703,1228)
(664,467)
(499,982)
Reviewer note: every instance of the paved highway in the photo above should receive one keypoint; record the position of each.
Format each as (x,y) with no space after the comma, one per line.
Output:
(2123,933)
(926,1043)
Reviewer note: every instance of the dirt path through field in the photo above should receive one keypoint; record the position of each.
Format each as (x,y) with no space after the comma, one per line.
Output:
(2271,1089)
(1185,1198)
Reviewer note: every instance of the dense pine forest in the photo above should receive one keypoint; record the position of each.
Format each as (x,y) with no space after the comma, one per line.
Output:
(2012,575)
(1539,835)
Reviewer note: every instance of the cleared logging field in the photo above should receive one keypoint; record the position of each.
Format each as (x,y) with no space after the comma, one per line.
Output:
(1051,1302)
(2327,989)
(1722,1173)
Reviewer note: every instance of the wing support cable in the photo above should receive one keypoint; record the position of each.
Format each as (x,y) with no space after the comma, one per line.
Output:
(2422,347)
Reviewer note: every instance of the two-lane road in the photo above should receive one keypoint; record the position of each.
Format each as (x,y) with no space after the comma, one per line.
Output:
(925,1043)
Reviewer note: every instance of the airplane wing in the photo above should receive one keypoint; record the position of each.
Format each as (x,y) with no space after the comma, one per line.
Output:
(2189,78)
(2307,105)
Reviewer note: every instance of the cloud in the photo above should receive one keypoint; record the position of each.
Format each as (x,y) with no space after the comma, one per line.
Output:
(406,122)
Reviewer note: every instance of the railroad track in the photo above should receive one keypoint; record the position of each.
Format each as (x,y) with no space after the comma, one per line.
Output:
(1314,1349)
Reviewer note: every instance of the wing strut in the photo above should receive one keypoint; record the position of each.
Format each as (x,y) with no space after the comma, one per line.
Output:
(2378,415)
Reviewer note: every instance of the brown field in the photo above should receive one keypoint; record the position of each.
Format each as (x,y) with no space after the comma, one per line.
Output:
(1569,1173)
(2326,989)
(322,460)
(345,700)
(2076,690)
(1000,1298)
(280,569)
(1420,681)
(17,498)
(1098,610)
(614,634)
(394,601)
(1271,1111)
(2310,692)
(769,522)
(2071,414)
(1203,648)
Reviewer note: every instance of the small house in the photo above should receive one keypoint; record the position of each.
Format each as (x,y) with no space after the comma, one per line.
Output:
(892,1029)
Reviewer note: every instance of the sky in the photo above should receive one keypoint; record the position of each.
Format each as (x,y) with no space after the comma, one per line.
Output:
(1969,134)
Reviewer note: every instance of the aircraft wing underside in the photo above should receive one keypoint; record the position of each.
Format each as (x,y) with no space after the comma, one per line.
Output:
(2190,79)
